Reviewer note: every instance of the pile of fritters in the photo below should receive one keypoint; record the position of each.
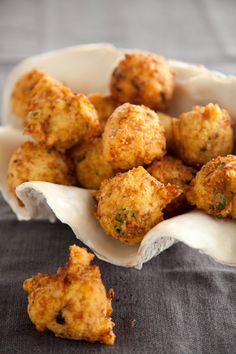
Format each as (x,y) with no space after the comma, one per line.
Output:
(145,164)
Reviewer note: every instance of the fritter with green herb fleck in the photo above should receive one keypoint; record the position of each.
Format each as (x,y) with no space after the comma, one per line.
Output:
(72,303)
(131,203)
(133,136)
(214,187)
(202,134)
(57,117)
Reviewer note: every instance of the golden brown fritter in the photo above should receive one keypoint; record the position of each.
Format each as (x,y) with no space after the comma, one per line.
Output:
(173,171)
(132,137)
(142,78)
(73,302)
(214,187)
(104,106)
(59,118)
(90,166)
(22,92)
(32,162)
(203,133)
(131,203)
(166,122)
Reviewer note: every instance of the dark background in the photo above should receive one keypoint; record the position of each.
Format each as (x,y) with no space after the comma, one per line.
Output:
(182,301)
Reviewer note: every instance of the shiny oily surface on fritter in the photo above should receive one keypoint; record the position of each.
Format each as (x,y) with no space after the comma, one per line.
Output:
(202,134)
(33,162)
(90,167)
(143,78)
(132,137)
(59,118)
(131,203)
(22,92)
(214,187)
(72,303)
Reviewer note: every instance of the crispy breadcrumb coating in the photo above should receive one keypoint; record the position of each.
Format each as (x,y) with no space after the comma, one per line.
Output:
(132,137)
(202,134)
(131,203)
(104,105)
(173,171)
(32,162)
(59,118)
(214,187)
(22,92)
(166,122)
(142,78)
(90,166)
(72,303)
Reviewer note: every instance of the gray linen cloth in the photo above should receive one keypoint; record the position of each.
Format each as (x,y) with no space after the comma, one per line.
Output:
(182,301)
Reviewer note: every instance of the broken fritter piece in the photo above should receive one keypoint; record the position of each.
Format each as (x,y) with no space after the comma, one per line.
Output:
(131,203)
(214,187)
(22,92)
(173,171)
(57,117)
(143,78)
(72,303)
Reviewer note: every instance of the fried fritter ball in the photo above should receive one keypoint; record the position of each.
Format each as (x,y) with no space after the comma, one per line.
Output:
(72,303)
(132,137)
(166,122)
(173,171)
(32,162)
(214,187)
(22,91)
(142,78)
(131,203)
(59,118)
(104,106)
(90,166)
(202,134)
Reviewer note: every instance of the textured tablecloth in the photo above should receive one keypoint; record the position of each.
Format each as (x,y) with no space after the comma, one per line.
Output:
(182,301)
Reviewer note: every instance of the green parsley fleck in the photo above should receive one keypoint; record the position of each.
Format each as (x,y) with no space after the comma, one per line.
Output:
(222,202)
(119,218)
(34,114)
